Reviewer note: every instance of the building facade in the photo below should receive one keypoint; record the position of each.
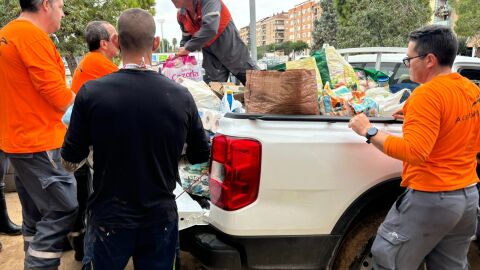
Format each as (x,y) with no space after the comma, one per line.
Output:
(271,30)
(245,35)
(301,19)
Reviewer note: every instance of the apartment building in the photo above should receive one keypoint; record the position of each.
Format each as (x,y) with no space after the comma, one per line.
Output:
(245,35)
(301,19)
(271,30)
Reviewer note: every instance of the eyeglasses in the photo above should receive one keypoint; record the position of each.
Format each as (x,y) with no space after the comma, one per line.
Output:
(406,60)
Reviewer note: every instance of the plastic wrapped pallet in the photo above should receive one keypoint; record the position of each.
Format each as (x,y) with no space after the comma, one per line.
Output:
(275,92)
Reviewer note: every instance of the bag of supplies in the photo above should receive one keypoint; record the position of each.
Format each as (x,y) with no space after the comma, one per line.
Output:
(182,67)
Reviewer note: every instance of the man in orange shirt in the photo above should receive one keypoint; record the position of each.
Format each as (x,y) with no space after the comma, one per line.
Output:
(97,63)
(436,217)
(32,101)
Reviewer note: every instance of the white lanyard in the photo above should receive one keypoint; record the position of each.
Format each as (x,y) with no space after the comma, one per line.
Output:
(137,67)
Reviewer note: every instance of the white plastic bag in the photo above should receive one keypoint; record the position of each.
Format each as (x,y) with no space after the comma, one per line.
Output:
(388,102)
(202,94)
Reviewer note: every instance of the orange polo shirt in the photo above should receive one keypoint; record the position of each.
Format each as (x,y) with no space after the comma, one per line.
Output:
(33,92)
(93,66)
(441,135)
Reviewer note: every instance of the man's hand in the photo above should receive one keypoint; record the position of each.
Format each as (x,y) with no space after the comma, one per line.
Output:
(398,115)
(360,124)
(182,52)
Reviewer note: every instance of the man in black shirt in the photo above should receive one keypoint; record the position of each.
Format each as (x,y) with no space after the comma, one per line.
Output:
(137,122)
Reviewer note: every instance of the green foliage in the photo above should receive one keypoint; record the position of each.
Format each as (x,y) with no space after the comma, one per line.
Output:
(70,38)
(287,47)
(261,51)
(364,23)
(462,47)
(164,46)
(325,30)
(9,10)
(144,4)
(468,23)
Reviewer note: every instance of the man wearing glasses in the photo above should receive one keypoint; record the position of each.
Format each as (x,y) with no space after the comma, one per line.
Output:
(96,64)
(436,217)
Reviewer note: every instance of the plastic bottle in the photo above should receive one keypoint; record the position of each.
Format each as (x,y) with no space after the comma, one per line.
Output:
(229,94)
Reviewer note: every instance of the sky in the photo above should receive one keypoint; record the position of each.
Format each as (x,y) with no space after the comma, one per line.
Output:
(239,9)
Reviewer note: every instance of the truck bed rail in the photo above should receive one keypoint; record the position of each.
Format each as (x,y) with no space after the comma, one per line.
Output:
(306,118)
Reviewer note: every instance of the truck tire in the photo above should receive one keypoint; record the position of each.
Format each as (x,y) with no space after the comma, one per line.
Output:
(354,251)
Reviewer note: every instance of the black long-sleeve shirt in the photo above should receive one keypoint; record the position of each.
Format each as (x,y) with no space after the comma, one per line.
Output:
(137,123)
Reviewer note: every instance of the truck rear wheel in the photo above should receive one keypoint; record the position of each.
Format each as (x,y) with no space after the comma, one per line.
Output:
(354,252)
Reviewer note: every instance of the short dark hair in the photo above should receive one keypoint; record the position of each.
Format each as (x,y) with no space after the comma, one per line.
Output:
(94,33)
(136,30)
(438,40)
(31,5)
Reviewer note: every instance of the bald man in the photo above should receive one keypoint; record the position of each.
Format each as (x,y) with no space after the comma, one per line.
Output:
(138,122)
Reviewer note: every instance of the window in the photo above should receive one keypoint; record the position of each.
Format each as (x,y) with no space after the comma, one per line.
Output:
(471,73)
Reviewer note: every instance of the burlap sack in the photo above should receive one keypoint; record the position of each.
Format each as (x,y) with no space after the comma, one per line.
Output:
(276,92)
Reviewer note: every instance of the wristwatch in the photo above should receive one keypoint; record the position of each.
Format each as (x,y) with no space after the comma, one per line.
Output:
(370,133)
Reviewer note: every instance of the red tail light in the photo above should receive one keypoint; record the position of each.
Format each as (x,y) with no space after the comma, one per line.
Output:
(234,172)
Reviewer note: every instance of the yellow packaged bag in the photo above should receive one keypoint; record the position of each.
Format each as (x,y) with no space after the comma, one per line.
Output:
(307,63)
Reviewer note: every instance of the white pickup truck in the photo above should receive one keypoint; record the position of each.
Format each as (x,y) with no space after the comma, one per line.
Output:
(299,192)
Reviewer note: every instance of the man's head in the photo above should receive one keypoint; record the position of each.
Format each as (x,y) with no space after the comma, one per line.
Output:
(48,12)
(430,48)
(136,32)
(99,36)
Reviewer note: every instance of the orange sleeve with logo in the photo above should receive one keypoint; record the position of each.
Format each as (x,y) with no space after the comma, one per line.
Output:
(93,66)
(441,135)
(420,130)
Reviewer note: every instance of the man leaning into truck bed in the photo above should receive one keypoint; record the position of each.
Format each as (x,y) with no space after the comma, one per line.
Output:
(436,217)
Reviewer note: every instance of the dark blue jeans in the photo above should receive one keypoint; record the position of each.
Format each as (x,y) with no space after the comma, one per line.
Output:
(152,248)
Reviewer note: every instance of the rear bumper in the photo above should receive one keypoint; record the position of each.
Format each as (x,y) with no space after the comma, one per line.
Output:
(216,250)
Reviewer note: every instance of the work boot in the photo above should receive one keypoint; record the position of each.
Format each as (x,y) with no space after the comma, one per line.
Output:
(6,225)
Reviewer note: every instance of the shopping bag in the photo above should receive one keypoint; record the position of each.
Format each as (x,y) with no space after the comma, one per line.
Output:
(276,92)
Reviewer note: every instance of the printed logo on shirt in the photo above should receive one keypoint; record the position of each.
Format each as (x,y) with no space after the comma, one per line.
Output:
(3,41)
(476,101)
(467,117)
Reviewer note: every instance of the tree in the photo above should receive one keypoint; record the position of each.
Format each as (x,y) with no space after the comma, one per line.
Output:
(384,23)
(9,9)
(468,23)
(325,29)
(174,43)
(145,4)
(300,46)
(70,38)
(164,45)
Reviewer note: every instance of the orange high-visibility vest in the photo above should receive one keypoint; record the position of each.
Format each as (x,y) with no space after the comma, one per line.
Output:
(192,25)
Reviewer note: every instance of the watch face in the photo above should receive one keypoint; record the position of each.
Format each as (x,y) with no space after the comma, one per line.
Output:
(372,131)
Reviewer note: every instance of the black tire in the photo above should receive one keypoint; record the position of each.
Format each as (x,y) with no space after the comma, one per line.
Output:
(354,252)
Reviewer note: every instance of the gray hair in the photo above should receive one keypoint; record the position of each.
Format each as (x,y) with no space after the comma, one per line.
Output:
(438,40)
(31,5)
(94,33)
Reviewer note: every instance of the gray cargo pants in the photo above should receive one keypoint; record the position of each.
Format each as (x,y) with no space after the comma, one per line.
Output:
(433,226)
(49,206)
